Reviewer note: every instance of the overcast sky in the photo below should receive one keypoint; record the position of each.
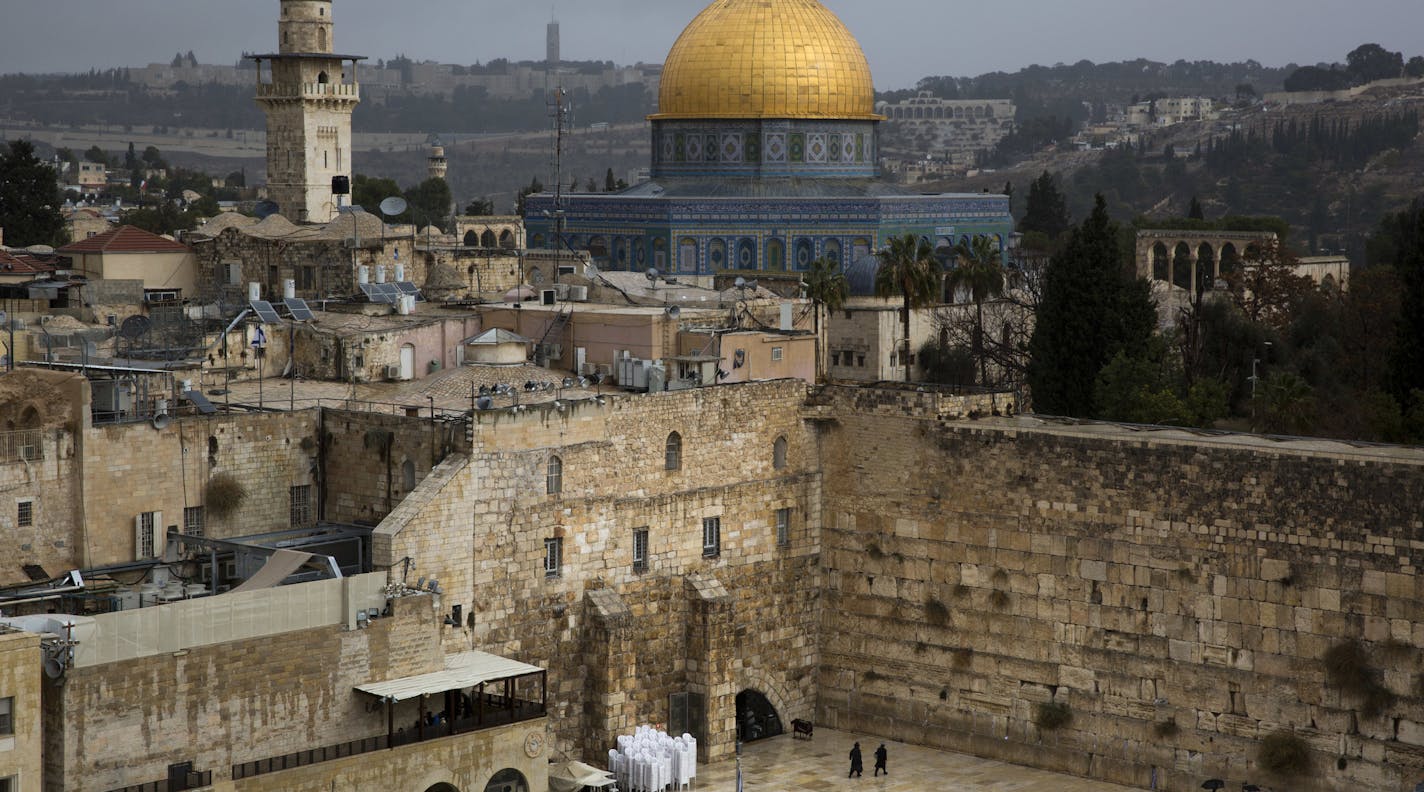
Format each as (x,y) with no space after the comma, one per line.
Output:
(904,39)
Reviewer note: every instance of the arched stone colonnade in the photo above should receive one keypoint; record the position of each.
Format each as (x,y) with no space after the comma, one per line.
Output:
(1186,257)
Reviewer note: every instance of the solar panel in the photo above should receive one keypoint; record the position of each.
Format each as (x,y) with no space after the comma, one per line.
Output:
(386,293)
(299,310)
(406,287)
(200,401)
(265,312)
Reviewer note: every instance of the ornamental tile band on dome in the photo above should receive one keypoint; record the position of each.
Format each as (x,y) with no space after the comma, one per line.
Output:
(766,59)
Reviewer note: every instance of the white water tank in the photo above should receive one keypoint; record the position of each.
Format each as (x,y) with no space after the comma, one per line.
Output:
(363,274)
(400,272)
(254,291)
(405,304)
(380,273)
(289,289)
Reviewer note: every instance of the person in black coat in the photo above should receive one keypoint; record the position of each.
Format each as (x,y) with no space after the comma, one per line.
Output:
(880,756)
(856,768)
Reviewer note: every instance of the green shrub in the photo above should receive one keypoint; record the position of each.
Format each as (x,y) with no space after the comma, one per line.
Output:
(1052,715)
(223,495)
(873,550)
(1284,753)
(998,599)
(1166,729)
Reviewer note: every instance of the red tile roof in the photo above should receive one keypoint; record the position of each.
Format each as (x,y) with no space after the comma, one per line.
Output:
(124,239)
(22,264)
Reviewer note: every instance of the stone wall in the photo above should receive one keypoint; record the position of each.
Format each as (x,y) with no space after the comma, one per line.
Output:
(123,723)
(373,461)
(610,633)
(20,683)
(133,468)
(467,763)
(1176,593)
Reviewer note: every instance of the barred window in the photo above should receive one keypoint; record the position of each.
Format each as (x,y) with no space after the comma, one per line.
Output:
(672,456)
(25,513)
(554,476)
(301,506)
(193,521)
(640,549)
(783,527)
(553,556)
(7,716)
(145,539)
(711,537)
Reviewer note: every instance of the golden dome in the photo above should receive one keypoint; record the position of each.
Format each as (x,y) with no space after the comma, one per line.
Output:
(791,59)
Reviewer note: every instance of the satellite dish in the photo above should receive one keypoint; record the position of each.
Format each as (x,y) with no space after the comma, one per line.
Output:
(135,326)
(265,209)
(394,205)
(674,311)
(162,421)
(485,403)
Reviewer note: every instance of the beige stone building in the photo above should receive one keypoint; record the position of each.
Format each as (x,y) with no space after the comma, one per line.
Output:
(166,269)
(21,708)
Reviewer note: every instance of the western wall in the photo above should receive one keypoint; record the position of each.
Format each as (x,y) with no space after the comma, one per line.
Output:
(1174,594)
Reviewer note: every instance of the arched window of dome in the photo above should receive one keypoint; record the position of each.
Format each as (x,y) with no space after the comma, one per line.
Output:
(687,255)
(805,253)
(831,250)
(747,255)
(717,254)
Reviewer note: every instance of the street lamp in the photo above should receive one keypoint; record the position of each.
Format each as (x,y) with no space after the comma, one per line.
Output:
(1255,379)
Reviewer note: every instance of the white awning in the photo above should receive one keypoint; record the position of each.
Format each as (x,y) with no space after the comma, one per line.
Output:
(279,566)
(464,670)
(574,776)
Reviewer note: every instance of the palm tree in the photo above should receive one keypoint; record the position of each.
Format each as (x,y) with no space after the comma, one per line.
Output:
(979,268)
(908,269)
(826,286)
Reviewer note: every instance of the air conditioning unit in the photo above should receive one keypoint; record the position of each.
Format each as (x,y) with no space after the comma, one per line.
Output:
(393,372)
(561,290)
(578,294)
(585,369)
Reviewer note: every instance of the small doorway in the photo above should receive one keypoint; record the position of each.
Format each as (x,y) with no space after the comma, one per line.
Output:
(407,362)
(756,718)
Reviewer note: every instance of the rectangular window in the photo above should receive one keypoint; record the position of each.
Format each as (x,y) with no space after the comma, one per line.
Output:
(26,513)
(301,506)
(193,521)
(640,549)
(145,536)
(553,556)
(711,537)
(7,716)
(860,361)
(776,353)
(783,527)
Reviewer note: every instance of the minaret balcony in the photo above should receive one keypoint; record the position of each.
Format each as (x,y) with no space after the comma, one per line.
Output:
(308,91)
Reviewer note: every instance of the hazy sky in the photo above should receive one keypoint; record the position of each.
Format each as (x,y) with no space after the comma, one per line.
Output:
(904,39)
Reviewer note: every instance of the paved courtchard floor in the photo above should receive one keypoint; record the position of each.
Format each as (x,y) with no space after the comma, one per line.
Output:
(783,764)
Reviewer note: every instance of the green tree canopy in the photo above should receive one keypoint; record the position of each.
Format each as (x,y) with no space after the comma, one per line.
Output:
(1369,62)
(1415,66)
(430,203)
(827,288)
(1404,239)
(1091,309)
(367,192)
(479,207)
(29,199)
(1046,210)
(908,270)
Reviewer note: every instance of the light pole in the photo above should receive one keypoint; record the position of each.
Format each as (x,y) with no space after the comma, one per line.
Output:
(1254,380)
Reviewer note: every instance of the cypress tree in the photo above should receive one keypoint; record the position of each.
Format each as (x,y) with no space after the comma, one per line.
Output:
(1091,309)
(1045,211)
(1407,362)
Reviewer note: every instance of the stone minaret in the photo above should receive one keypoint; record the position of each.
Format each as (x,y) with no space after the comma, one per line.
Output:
(308,94)
(435,163)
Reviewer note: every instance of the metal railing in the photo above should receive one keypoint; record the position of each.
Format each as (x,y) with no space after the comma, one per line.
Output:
(25,445)
(279,90)
(523,711)
(195,781)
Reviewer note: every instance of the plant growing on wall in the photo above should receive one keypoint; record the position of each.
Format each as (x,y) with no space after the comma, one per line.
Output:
(1284,753)
(936,613)
(1348,667)
(223,495)
(1052,715)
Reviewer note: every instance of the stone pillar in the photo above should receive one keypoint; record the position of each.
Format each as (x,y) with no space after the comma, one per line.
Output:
(711,653)
(612,667)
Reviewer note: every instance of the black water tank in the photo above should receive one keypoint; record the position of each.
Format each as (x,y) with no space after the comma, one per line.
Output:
(340,185)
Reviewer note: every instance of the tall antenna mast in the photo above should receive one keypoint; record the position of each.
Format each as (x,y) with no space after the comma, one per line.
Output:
(560,110)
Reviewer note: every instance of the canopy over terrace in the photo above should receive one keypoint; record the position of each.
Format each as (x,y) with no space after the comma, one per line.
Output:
(478,690)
